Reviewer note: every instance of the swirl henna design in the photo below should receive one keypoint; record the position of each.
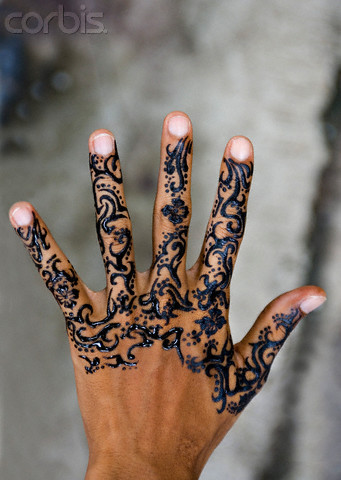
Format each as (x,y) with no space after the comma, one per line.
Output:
(110,209)
(224,233)
(249,379)
(34,238)
(171,252)
(184,312)
(176,166)
(61,282)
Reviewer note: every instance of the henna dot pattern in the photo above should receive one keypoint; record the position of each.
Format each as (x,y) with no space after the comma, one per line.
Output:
(185,317)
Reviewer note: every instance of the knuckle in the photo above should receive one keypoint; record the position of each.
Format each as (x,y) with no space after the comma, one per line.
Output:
(220,230)
(114,229)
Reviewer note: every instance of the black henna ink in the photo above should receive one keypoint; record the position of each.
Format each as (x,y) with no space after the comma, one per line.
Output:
(249,379)
(176,166)
(113,340)
(171,252)
(176,212)
(212,322)
(34,238)
(61,282)
(110,209)
(94,364)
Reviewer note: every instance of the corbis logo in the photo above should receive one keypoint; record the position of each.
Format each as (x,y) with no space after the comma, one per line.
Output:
(67,22)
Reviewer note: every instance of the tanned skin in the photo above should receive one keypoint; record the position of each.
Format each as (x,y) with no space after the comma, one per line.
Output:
(159,380)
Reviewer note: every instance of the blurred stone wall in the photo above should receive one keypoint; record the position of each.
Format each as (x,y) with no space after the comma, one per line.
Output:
(264,69)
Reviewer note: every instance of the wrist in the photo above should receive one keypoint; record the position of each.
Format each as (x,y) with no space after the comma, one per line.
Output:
(132,468)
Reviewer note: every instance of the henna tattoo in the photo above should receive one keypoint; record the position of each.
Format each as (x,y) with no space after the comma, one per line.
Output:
(93,364)
(62,283)
(225,234)
(109,204)
(110,209)
(212,322)
(171,252)
(132,320)
(246,381)
(176,166)
(176,212)
(34,238)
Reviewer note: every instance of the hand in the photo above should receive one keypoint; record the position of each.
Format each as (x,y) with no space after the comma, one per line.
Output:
(159,380)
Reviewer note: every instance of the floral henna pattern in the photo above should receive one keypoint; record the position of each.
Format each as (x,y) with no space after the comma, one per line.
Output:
(176,212)
(62,283)
(133,319)
(212,322)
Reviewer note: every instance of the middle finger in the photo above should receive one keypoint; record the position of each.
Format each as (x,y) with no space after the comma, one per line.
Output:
(172,208)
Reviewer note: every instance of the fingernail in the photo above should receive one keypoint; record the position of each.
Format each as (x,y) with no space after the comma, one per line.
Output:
(240,149)
(22,216)
(104,144)
(312,302)
(178,125)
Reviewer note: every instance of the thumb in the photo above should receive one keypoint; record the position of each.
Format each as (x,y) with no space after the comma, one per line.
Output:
(280,317)
(259,347)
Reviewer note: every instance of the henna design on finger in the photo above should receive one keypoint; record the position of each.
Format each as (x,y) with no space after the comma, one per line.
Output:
(164,301)
(225,232)
(243,383)
(172,248)
(171,252)
(34,238)
(108,203)
(132,319)
(111,211)
(246,381)
(62,282)
(263,355)
(176,166)
(176,212)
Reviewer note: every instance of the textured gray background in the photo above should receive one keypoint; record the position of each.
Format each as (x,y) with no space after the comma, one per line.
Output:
(264,69)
